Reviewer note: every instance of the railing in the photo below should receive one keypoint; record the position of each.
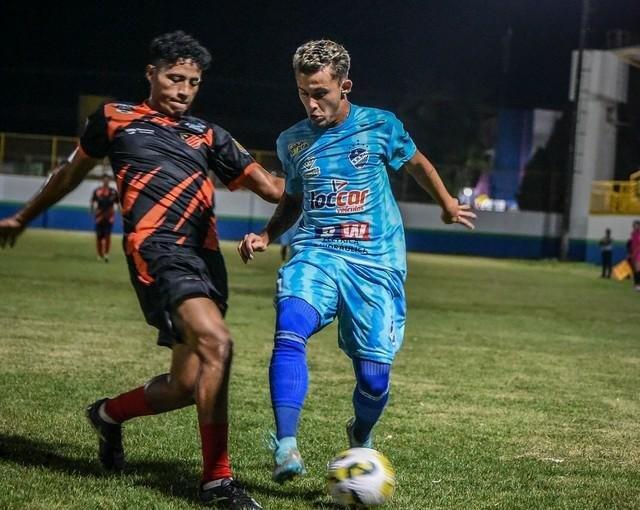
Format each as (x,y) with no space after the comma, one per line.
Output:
(37,155)
(24,154)
(616,197)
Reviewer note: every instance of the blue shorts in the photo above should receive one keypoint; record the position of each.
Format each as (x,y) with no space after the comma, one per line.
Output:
(369,302)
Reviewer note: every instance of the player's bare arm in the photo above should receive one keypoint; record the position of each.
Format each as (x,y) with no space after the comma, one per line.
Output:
(428,179)
(266,186)
(285,215)
(63,180)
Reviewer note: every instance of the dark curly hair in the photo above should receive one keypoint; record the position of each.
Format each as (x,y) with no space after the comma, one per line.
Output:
(167,49)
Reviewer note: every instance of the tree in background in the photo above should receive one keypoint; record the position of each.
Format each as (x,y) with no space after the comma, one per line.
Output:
(457,130)
(544,181)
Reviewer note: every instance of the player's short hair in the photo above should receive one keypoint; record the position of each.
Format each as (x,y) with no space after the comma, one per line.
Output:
(313,56)
(167,49)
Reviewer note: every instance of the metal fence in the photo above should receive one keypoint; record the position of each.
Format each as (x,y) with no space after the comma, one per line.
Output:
(37,155)
(23,154)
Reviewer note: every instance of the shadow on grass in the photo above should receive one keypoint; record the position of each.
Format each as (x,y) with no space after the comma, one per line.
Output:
(172,478)
(157,475)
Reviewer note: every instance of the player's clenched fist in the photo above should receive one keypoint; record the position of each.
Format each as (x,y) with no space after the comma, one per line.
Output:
(10,229)
(250,244)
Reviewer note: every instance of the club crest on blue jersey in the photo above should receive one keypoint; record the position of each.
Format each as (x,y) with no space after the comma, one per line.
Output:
(342,200)
(359,157)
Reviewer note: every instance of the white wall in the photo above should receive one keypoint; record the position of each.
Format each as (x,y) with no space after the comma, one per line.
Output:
(243,204)
(620,226)
(246,205)
(526,223)
(19,188)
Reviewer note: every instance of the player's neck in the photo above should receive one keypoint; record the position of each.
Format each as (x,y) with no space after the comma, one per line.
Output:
(157,109)
(343,114)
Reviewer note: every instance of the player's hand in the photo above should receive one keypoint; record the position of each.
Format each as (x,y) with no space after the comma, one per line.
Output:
(456,213)
(250,244)
(10,229)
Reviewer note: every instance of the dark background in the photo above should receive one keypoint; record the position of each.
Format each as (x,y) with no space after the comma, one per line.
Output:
(401,50)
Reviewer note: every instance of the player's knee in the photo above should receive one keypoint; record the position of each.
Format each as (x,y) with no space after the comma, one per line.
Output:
(296,318)
(374,386)
(215,345)
(179,386)
(184,384)
(372,378)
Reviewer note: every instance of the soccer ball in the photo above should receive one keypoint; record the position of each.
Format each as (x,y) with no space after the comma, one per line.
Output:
(360,477)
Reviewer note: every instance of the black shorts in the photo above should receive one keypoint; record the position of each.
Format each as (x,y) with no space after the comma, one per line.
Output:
(103,229)
(178,273)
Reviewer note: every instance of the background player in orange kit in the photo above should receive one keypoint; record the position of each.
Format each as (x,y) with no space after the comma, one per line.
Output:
(104,200)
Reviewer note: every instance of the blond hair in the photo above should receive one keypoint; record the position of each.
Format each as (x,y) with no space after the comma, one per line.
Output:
(313,56)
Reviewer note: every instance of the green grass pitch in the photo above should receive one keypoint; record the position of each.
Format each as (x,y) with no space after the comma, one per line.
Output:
(517,387)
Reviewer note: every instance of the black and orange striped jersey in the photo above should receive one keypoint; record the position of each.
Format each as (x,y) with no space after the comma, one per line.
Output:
(161,168)
(104,198)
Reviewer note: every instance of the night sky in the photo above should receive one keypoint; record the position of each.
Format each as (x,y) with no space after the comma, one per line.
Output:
(53,52)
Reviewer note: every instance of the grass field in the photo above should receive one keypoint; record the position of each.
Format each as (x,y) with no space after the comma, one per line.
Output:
(517,387)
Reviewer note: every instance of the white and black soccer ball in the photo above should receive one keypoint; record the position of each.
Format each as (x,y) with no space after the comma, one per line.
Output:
(360,477)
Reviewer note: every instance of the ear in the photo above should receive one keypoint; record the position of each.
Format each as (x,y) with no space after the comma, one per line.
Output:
(345,87)
(149,72)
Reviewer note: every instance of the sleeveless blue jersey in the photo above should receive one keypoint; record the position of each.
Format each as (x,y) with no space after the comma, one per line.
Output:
(348,208)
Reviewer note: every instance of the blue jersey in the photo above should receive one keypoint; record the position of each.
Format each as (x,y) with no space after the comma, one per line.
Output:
(348,208)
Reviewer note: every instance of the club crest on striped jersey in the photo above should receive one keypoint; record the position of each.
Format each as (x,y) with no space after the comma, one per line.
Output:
(193,141)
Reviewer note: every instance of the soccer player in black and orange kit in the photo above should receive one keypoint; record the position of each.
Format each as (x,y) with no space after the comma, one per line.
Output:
(103,207)
(160,156)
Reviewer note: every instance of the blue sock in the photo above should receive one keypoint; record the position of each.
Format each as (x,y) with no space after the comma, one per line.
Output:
(370,395)
(289,379)
(288,374)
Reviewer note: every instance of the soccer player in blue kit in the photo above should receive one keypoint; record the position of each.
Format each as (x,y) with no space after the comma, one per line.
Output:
(348,255)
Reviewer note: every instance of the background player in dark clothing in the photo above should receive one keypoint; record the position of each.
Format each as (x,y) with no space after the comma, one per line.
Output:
(103,207)
(160,157)
(606,251)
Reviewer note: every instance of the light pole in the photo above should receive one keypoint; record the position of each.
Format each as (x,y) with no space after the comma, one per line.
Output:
(566,216)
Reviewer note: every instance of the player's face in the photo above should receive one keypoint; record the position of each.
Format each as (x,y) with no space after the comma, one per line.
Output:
(324,97)
(174,87)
